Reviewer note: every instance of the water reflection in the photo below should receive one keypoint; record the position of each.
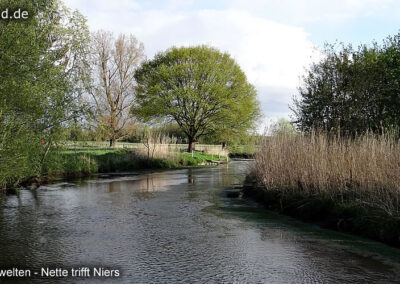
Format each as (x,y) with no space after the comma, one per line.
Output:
(190,176)
(177,226)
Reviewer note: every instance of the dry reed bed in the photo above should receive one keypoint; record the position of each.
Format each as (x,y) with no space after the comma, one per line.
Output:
(162,147)
(365,170)
(157,145)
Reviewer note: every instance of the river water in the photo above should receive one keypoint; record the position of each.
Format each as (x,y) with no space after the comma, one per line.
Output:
(177,226)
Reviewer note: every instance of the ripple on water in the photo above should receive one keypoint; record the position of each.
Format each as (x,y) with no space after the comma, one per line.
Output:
(175,226)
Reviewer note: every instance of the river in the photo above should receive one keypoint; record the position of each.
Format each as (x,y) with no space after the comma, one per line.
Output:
(178,226)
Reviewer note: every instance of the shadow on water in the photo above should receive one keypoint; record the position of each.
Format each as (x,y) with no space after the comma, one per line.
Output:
(252,213)
(179,226)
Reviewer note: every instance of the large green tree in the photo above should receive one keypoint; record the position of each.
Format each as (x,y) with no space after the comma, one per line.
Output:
(41,59)
(200,88)
(352,89)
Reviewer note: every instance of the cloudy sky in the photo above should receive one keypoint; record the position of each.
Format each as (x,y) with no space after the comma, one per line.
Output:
(272,40)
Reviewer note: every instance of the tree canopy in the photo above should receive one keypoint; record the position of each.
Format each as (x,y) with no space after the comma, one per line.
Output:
(352,90)
(202,89)
(40,62)
(113,61)
(283,126)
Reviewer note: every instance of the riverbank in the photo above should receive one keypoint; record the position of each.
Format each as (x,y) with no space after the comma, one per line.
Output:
(241,156)
(80,162)
(350,185)
(243,151)
(348,217)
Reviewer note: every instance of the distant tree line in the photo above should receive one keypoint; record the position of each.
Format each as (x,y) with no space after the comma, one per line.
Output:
(352,90)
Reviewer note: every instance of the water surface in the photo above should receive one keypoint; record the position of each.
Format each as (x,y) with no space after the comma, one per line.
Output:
(178,226)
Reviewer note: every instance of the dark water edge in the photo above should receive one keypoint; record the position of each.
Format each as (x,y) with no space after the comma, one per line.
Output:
(179,226)
(241,155)
(349,217)
(32,183)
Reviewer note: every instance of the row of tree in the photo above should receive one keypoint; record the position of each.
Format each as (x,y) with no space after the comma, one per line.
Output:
(56,76)
(352,90)
(199,88)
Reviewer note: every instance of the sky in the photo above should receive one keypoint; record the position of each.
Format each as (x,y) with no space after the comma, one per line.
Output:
(273,41)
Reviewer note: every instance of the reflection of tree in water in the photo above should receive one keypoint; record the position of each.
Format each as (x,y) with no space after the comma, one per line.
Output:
(23,221)
(233,175)
(147,184)
(191,179)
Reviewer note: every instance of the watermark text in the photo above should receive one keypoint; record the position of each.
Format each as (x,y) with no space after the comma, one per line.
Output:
(59,272)
(13,14)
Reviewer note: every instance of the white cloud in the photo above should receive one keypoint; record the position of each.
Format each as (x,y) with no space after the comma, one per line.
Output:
(89,6)
(301,11)
(273,55)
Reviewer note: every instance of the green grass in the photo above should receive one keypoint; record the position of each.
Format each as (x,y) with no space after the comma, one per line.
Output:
(198,158)
(242,151)
(83,160)
(91,151)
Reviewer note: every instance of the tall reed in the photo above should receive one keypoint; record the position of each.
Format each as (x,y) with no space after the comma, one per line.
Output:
(364,170)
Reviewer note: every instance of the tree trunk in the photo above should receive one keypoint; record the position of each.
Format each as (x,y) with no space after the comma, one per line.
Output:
(190,146)
(45,155)
(113,126)
(112,141)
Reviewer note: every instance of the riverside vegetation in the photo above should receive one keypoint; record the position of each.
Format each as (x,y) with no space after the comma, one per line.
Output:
(58,81)
(102,86)
(339,166)
(75,161)
(348,184)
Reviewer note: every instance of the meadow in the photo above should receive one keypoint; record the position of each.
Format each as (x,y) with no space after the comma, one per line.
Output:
(80,159)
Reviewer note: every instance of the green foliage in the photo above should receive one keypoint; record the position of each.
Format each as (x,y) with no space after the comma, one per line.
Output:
(16,158)
(242,151)
(186,159)
(78,161)
(283,126)
(172,129)
(40,62)
(352,90)
(61,163)
(200,88)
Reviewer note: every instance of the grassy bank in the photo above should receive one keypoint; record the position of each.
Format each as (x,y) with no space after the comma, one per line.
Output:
(111,160)
(351,185)
(75,162)
(242,151)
